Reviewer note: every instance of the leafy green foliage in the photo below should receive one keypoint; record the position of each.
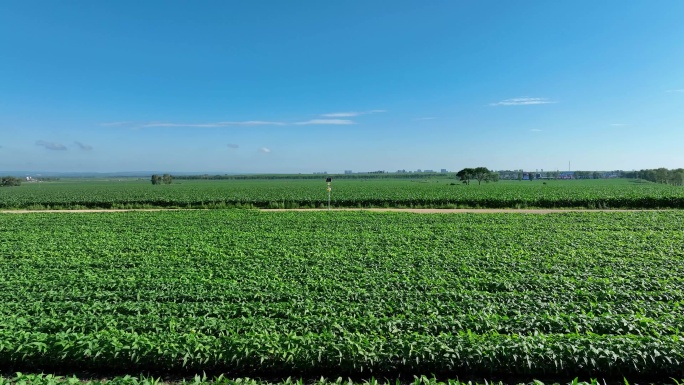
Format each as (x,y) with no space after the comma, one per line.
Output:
(8,181)
(353,293)
(43,379)
(465,175)
(346,193)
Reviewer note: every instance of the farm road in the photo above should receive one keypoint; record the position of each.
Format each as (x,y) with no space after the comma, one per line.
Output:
(419,211)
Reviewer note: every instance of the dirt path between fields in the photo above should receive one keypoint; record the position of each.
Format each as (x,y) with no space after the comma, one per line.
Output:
(419,211)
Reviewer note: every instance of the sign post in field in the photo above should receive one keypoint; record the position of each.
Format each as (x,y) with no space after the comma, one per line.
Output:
(328,181)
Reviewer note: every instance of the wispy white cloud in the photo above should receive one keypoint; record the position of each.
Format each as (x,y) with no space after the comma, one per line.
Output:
(426,118)
(350,114)
(326,121)
(82,146)
(51,145)
(677,90)
(265,150)
(114,124)
(342,114)
(536,130)
(522,102)
(233,145)
(619,124)
(246,123)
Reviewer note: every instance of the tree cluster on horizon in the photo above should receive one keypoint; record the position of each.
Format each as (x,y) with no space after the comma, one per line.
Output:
(658,175)
(478,173)
(161,179)
(8,181)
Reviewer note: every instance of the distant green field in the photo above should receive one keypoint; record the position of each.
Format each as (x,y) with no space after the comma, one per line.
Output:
(403,193)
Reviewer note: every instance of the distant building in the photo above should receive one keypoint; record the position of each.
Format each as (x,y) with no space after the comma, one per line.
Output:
(428,171)
(419,170)
(444,170)
(348,172)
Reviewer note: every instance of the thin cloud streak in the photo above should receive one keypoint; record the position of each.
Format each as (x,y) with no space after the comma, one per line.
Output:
(679,90)
(114,124)
(339,122)
(342,114)
(536,130)
(427,118)
(51,145)
(350,114)
(82,146)
(522,102)
(619,124)
(232,145)
(265,150)
(248,123)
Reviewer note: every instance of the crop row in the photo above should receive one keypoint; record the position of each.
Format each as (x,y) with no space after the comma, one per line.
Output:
(346,193)
(51,379)
(283,293)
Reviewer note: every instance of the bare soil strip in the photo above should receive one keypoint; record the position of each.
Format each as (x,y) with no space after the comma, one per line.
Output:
(419,211)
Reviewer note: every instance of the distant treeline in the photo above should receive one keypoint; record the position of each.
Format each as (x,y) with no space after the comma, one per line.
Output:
(372,175)
(658,175)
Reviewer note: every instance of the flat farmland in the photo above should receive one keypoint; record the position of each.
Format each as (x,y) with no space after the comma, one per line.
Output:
(346,193)
(279,294)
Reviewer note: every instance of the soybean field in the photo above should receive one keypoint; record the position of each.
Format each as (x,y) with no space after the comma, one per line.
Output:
(354,193)
(348,294)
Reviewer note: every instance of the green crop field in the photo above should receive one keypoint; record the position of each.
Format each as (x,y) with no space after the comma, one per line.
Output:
(358,294)
(432,193)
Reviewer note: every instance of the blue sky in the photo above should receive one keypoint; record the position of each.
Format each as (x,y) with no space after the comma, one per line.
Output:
(278,86)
